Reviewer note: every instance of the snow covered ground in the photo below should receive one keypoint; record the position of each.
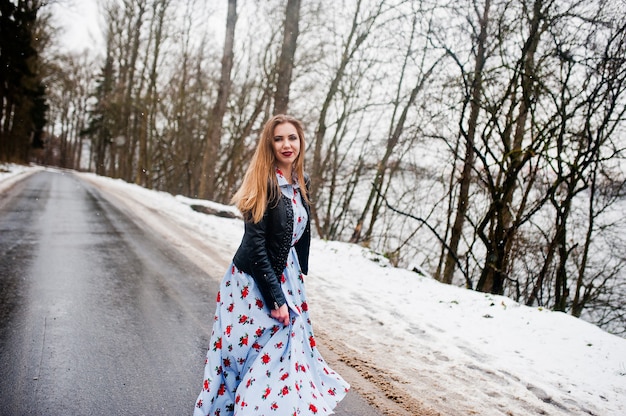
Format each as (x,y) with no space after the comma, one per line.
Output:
(424,344)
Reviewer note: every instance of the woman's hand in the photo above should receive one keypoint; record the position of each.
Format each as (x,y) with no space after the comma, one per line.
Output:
(281,314)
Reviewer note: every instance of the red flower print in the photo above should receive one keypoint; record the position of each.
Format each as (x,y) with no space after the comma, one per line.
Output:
(259,303)
(284,377)
(218,297)
(243,340)
(237,398)
(217,345)
(275,329)
(274,406)
(282,278)
(243,319)
(305,306)
(232,270)
(222,390)
(267,393)
(332,392)
(206,385)
(312,341)
(312,408)
(226,362)
(244,292)
(280,172)
(259,332)
(199,404)
(285,391)
(278,345)
(230,307)
(266,358)
(228,329)
(257,346)
(299,219)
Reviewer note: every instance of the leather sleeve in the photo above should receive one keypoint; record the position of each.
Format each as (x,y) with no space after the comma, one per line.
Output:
(259,265)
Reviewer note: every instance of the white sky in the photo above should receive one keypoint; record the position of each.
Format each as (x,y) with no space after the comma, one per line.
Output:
(459,352)
(78,21)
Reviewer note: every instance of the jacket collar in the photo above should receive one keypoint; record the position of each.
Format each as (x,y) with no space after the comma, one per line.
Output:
(282,181)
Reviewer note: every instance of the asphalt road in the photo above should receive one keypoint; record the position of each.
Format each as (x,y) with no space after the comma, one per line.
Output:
(97,314)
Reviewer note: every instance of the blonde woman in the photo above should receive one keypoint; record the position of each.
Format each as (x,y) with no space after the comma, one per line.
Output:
(262,358)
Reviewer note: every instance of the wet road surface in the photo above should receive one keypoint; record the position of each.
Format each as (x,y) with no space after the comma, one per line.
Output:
(97,315)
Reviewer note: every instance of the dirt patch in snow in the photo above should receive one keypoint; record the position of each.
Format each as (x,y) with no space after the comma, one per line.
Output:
(379,387)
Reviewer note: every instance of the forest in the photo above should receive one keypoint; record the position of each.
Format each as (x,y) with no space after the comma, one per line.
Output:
(480,142)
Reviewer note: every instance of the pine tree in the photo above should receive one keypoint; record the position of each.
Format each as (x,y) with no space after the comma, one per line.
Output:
(22,93)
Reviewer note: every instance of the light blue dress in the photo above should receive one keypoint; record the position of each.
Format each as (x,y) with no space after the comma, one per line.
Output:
(255,366)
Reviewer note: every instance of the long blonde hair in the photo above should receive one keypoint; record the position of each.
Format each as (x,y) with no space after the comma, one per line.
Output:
(252,196)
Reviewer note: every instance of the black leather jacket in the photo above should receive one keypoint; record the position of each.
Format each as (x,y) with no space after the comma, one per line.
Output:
(265,247)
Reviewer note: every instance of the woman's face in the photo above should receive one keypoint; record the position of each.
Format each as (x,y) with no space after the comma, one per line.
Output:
(286,145)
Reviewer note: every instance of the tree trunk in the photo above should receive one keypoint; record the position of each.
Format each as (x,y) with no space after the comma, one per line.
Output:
(287,57)
(502,232)
(214,132)
(317,177)
(382,167)
(468,162)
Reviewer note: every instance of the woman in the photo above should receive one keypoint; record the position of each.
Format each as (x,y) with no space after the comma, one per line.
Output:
(262,358)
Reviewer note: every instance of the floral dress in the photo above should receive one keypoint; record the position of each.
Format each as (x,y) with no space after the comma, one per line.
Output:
(255,366)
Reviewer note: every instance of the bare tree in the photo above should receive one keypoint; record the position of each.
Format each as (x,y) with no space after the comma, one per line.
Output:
(360,30)
(70,81)
(287,56)
(135,19)
(209,161)
(387,166)
(473,98)
(579,159)
(149,118)
(498,226)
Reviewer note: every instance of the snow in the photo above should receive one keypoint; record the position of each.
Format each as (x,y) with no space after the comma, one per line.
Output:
(455,351)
